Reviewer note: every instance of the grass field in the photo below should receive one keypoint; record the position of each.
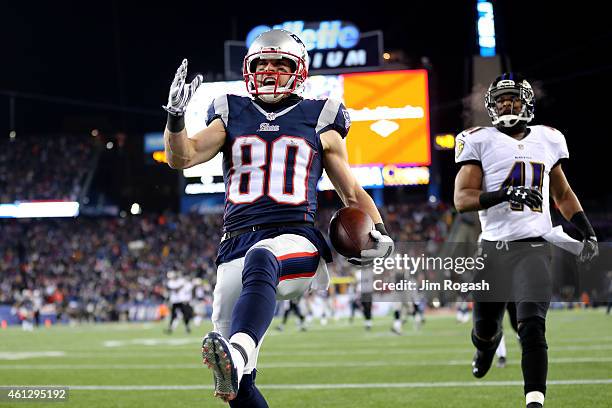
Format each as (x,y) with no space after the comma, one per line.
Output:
(339,365)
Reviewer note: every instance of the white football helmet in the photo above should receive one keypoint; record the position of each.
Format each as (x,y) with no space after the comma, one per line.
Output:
(276,44)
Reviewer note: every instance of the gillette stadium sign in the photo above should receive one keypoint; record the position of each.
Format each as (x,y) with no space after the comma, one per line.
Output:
(316,36)
(334,47)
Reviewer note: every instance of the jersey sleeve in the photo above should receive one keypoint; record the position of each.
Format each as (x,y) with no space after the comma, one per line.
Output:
(467,150)
(334,116)
(218,109)
(560,149)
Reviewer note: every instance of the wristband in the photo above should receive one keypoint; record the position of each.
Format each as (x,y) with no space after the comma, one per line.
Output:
(581,222)
(380,227)
(175,123)
(489,199)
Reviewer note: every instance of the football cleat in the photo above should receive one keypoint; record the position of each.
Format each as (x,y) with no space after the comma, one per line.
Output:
(216,354)
(482,362)
(501,362)
(534,405)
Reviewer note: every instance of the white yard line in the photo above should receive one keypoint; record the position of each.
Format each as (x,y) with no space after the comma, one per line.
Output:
(288,364)
(449,384)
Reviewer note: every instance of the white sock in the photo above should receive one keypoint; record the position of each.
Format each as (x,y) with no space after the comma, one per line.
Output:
(534,396)
(501,349)
(248,344)
(397,325)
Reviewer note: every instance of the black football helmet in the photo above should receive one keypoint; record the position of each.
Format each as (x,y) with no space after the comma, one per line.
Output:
(514,84)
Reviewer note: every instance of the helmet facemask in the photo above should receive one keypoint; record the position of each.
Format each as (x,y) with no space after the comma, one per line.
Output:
(519,89)
(290,49)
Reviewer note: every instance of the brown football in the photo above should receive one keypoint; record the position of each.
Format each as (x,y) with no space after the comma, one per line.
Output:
(349,231)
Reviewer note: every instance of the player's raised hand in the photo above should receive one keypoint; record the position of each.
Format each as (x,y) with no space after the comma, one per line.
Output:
(181,92)
(531,197)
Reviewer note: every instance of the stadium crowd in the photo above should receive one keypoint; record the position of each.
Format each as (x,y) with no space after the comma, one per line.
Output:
(98,268)
(48,167)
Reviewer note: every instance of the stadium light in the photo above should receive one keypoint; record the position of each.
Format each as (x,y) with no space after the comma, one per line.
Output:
(486,28)
(135,210)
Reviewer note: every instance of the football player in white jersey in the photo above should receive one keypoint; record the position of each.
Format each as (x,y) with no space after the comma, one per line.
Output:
(508,172)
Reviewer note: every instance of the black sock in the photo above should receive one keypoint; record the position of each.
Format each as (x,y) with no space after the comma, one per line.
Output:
(534,360)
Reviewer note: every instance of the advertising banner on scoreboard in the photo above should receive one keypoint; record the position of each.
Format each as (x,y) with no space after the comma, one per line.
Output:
(389,140)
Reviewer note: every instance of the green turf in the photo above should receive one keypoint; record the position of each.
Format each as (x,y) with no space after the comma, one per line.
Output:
(346,366)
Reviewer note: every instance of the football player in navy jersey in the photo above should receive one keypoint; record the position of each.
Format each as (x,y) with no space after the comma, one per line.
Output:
(275,145)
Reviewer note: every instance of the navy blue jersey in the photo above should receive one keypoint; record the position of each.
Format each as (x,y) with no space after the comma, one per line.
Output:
(273,161)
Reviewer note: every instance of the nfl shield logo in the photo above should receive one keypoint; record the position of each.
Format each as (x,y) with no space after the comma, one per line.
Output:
(521,147)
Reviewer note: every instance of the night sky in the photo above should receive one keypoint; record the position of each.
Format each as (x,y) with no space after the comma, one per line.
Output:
(120,58)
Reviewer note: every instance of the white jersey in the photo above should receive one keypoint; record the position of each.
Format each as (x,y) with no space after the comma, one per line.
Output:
(507,161)
(181,290)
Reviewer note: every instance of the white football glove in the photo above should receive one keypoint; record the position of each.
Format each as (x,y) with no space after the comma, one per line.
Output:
(383,248)
(180,92)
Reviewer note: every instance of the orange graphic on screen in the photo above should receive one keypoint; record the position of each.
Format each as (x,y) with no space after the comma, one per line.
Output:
(390,118)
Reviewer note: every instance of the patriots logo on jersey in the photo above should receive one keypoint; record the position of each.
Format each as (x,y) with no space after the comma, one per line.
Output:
(266,127)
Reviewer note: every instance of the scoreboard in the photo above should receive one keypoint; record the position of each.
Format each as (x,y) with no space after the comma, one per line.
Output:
(389,140)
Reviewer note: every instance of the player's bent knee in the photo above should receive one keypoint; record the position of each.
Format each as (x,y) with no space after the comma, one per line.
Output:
(532,333)
(260,265)
(486,329)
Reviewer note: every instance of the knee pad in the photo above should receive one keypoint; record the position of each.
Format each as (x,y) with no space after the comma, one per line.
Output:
(532,333)
(260,265)
(486,330)
(486,334)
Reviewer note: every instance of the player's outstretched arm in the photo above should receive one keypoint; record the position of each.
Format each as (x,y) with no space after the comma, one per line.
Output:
(569,206)
(182,151)
(335,161)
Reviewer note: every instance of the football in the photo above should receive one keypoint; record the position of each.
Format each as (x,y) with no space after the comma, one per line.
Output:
(349,231)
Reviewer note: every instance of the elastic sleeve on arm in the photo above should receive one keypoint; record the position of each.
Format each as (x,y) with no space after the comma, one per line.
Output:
(334,115)
(218,109)
(466,150)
